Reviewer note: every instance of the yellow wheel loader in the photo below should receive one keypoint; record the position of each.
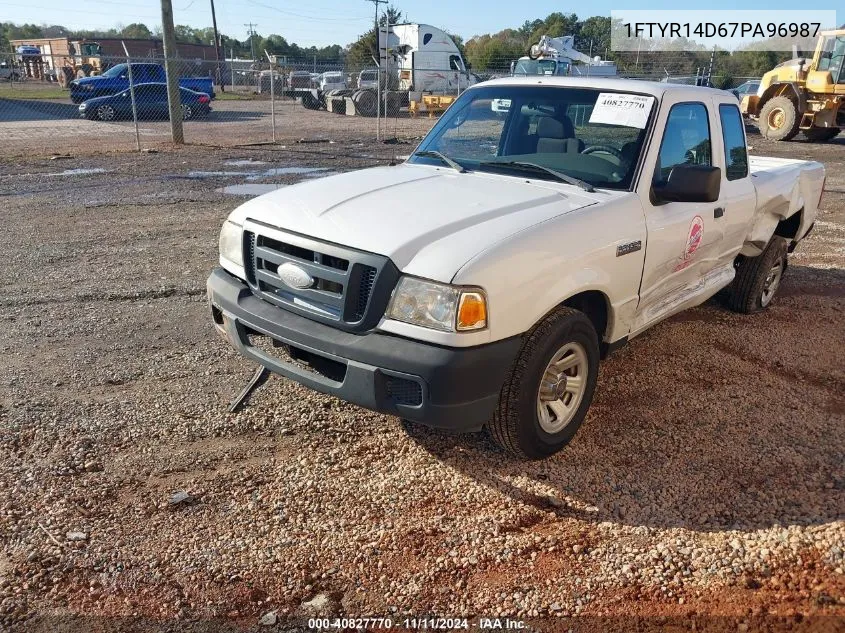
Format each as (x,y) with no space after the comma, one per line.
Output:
(84,59)
(803,95)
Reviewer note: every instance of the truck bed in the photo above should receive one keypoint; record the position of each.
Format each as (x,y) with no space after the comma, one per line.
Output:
(784,187)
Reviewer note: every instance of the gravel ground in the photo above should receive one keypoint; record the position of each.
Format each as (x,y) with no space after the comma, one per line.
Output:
(705,491)
(45,125)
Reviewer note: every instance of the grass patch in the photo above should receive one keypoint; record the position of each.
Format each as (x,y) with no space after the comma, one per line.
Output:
(15,91)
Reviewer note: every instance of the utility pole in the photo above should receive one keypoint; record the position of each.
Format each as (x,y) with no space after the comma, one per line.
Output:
(216,46)
(377,52)
(377,57)
(251,30)
(174,101)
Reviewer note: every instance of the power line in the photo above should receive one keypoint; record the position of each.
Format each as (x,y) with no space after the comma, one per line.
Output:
(309,17)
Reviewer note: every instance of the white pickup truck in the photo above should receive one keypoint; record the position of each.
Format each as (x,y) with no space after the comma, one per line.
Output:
(480,282)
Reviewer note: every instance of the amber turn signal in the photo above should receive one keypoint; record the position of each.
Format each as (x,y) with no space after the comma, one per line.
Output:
(472,311)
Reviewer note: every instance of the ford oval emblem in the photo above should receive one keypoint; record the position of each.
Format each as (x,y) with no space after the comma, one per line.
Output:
(295,276)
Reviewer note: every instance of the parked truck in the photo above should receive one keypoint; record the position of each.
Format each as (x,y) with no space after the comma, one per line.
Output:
(556,56)
(116,79)
(533,249)
(415,59)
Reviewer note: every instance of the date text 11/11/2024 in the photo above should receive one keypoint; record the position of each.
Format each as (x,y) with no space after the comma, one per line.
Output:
(423,623)
(723,29)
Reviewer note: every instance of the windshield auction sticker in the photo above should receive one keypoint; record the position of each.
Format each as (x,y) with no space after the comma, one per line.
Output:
(622,109)
(677,30)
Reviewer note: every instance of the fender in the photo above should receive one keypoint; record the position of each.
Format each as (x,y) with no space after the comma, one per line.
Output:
(784,88)
(540,268)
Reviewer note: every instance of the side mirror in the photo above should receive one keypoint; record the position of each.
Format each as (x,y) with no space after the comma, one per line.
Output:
(689,183)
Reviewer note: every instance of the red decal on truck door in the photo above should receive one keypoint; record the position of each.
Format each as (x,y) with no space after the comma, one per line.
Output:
(696,233)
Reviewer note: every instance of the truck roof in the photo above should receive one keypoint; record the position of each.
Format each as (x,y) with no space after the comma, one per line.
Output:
(654,88)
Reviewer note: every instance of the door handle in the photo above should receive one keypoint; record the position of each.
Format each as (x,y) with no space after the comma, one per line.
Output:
(718,212)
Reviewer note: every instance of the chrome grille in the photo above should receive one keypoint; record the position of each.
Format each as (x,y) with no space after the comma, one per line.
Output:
(349,288)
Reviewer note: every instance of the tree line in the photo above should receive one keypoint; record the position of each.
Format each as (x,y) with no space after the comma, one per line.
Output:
(486,54)
(273,44)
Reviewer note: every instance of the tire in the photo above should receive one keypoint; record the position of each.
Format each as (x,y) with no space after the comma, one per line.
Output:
(105,113)
(517,425)
(310,102)
(779,119)
(187,112)
(821,134)
(366,103)
(758,278)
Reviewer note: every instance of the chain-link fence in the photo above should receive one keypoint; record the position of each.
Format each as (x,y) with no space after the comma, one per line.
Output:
(53,104)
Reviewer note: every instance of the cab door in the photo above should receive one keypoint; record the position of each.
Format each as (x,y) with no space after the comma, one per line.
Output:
(738,197)
(684,239)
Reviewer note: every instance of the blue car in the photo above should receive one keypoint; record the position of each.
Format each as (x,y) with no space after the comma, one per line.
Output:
(150,100)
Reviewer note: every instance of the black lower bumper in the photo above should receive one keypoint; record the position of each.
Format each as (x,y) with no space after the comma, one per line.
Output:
(455,388)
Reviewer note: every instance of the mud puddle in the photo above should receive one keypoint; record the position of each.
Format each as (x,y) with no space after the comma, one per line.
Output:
(250,189)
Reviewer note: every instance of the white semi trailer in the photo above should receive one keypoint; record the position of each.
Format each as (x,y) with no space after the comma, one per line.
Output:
(415,59)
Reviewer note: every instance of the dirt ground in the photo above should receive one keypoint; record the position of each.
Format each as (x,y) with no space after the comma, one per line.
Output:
(705,491)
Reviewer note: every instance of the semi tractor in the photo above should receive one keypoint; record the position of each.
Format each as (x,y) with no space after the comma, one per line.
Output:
(414,60)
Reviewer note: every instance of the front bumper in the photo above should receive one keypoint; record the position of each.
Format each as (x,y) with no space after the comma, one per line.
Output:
(454,388)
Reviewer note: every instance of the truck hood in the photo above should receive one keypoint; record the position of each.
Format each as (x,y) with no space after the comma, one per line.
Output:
(428,220)
(84,81)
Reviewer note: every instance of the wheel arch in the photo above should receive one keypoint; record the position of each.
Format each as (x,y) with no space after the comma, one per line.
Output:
(785,89)
(595,304)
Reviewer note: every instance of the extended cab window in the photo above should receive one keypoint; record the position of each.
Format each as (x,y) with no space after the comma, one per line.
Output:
(736,156)
(686,140)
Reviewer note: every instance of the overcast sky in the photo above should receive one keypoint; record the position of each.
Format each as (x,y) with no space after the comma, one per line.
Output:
(324,22)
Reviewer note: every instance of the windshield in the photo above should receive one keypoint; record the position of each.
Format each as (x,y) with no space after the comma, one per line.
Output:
(537,67)
(115,71)
(593,135)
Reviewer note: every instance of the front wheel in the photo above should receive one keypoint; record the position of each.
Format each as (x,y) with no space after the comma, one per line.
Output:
(758,278)
(546,396)
(779,119)
(187,112)
(105,113)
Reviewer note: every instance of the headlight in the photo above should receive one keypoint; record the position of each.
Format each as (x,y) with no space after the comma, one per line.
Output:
(231,238)
(438,306)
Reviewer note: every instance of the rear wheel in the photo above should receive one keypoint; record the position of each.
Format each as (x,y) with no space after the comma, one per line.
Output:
(758,278)
(550,387)
(105,113)
(821,134)
(779,119)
